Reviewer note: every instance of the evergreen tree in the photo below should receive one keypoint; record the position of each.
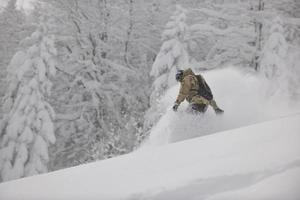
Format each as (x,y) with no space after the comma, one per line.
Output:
(275,51)
(13,28)
(28,129)
(171,57)
(274,59)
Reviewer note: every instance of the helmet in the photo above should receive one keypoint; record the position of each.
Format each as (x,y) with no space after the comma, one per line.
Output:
(179,75)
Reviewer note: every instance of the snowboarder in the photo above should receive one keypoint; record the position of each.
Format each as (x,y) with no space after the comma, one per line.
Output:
(196,91)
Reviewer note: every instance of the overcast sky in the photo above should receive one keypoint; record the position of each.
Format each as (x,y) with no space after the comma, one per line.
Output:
(26,4)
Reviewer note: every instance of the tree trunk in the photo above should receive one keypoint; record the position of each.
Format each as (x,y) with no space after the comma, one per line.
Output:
(259,36)
(129,31)
(104,34)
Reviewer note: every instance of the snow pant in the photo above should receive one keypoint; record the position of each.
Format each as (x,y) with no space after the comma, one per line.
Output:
(200,104)
(198,108)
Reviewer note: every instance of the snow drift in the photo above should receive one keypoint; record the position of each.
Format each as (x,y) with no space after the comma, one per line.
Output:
(251,160)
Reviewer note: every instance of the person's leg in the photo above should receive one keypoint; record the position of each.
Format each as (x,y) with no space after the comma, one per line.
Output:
(213,104)
(199,105)
(200,100)
(198,108)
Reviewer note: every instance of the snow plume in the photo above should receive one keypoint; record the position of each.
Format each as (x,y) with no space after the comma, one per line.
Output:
(28,126)
(240,92)
(172,56)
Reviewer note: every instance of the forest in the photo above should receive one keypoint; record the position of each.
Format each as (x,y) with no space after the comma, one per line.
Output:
(82,81)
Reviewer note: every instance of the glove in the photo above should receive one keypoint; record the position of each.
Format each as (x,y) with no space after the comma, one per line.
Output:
(219,111)
(175,107)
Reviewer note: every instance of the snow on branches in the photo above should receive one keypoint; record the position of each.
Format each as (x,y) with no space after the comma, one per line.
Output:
(28,128)
(223,33)
(275,51)
(279,63)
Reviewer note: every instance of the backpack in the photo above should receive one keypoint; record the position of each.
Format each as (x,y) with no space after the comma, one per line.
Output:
(204,89)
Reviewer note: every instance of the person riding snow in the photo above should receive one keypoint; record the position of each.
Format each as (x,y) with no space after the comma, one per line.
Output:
(196,91)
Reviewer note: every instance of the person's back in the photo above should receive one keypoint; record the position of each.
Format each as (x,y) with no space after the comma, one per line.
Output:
(204,89)
(196,91)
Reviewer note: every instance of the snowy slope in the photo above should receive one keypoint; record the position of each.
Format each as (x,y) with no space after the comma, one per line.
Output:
(254,158)
(284,185)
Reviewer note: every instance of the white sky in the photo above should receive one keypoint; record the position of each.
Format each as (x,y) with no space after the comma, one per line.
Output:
(26,4)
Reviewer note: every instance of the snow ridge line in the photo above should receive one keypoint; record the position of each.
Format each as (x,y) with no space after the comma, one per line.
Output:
(277,118)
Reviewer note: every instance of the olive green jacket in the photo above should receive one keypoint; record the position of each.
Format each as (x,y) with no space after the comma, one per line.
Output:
(189,90)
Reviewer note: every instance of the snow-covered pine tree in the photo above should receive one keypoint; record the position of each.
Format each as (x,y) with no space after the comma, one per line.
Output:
(28,129)
(279,58)
(275,51)
(171,57)
(274,58)
(13,29)
(264,12)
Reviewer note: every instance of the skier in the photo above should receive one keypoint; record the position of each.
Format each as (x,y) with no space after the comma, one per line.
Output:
(196,91)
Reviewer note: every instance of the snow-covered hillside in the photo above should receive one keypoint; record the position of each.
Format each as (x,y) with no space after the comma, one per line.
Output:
(261,161)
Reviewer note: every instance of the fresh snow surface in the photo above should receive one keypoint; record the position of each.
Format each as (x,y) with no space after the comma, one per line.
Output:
(261,160)
(284,185)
